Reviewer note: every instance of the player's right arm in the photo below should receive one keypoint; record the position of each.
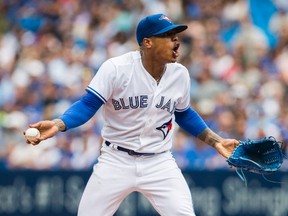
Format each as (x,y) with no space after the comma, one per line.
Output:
(78,114)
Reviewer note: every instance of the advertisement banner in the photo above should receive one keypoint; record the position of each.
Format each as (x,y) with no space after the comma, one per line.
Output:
(214,193)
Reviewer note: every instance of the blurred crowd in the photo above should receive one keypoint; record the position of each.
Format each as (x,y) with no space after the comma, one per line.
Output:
(236,53)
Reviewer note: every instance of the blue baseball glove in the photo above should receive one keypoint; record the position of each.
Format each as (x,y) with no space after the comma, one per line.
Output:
(263,156)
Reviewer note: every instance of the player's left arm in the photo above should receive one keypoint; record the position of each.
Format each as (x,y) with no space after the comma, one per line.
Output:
(191,121)
(225,147)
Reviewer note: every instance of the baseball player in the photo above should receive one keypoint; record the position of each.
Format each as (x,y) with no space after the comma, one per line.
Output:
(143,94)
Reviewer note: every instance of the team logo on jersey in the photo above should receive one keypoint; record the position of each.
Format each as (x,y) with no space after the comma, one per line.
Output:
(165,128)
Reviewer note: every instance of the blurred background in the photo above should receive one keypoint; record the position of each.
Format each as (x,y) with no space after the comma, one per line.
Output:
(236,52)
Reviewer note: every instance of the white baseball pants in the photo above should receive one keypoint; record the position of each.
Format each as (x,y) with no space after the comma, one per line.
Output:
(118,174)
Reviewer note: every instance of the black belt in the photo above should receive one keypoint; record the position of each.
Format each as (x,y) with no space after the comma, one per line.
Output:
(129,151)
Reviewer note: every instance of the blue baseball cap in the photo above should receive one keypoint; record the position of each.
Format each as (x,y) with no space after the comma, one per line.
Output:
(154,25)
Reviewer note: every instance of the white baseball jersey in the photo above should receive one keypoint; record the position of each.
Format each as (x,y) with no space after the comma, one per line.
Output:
(139,114)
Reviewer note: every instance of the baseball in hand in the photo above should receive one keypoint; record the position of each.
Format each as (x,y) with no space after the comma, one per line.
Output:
(32,133)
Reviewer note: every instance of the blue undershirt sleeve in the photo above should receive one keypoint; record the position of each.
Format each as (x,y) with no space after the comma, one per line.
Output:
(81,111)
(190,121)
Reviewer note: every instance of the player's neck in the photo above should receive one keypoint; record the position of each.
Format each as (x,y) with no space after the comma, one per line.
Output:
(155,70)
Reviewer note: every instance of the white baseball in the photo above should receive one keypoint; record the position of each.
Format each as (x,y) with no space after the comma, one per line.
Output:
(32,133)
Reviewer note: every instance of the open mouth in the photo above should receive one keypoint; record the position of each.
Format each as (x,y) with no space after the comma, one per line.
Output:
(176,50)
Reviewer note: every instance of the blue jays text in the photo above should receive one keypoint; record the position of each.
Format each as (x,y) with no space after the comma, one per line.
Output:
(141,102)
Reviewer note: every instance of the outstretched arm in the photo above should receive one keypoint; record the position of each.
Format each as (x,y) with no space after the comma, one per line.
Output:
(191,121)
(79,113)
(225,147)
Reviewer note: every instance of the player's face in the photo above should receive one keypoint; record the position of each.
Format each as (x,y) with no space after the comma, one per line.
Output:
(166,47)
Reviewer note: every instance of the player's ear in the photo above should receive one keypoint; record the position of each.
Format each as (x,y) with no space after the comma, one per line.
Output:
(147,42)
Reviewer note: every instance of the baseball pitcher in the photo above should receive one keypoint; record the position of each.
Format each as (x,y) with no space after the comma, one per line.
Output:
(144,94)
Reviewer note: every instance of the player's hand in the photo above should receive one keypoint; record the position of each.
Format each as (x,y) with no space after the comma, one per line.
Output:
(47,130)
(225,147)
